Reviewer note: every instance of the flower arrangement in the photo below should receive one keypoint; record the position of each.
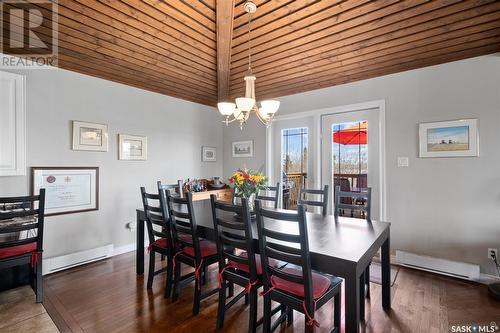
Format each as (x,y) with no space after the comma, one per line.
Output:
(247,183)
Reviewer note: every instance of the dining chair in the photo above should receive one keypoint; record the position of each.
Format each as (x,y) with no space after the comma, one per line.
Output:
(160,238)
(304,199)
(273,198)
(365,211)
(18,214)
(352,204)
(242,268)
(190,249)
(175,189)
(295,285)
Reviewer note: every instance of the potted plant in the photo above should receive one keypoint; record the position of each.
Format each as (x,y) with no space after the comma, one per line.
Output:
(247,184)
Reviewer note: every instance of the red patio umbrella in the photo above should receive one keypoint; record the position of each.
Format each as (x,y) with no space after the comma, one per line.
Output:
(353,135)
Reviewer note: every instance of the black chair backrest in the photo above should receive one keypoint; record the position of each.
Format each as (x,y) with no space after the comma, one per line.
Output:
(274,198)
(23,208)
(323,203)
(156,218)
(232,234)
(291,248)
(183,221)
(366,196)
(172,188)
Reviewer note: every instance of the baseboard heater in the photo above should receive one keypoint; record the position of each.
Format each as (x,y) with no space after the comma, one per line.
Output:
(440,266)
(55,264)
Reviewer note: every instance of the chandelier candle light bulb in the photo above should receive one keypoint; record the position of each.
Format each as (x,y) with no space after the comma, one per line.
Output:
(245,105)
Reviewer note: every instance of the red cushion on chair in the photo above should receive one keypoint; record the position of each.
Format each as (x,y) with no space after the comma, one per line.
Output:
(245,268)
(320,283)
(17,250)
(207,249)
(161,242)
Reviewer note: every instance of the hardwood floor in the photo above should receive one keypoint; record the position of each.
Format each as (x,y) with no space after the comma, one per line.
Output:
(107,296)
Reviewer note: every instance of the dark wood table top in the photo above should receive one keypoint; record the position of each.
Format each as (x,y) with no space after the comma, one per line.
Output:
(348,240)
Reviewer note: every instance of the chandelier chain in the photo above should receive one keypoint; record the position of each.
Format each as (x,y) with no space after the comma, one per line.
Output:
(249,42)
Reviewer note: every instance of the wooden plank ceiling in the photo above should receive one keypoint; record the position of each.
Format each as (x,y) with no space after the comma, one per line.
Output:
(171,46)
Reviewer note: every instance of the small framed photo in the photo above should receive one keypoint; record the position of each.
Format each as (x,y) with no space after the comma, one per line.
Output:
(455,138)
(132,147)
(67,189)
(90,136)
(208,154)
(243,148)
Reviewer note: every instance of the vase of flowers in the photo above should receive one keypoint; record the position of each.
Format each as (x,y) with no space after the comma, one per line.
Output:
(247,184)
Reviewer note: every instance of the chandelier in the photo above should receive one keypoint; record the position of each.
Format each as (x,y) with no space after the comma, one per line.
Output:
(241,110)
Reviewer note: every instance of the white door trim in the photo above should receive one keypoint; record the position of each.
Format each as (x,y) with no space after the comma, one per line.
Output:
(317,114)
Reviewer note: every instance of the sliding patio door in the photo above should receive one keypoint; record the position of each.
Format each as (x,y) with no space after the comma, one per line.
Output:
(351,154)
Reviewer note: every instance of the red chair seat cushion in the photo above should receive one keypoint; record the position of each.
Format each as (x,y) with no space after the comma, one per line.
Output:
(207,249)
(246,269)
(161,242)
(17,250)
(320,283)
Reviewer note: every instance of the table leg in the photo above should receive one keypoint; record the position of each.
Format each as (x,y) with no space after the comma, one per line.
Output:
(386,274)
(352,297)
(139,259)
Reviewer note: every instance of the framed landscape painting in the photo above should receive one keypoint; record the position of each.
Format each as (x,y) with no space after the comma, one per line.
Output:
(242,148)
(90,136)
(132,147)
(455,138)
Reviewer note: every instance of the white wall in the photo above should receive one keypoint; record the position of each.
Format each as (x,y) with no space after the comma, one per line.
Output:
(176,130)
(448,207)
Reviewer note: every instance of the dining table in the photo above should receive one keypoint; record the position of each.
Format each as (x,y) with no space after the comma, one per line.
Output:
(340,246)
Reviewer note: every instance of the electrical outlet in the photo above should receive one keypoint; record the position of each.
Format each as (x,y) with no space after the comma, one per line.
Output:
(492,253)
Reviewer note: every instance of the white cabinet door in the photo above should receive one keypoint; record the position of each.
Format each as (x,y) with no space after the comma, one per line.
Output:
(12,125)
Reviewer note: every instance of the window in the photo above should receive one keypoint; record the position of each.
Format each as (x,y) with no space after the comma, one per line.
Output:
(294,143)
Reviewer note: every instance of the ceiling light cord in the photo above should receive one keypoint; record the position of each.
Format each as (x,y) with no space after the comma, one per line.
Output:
(249,43)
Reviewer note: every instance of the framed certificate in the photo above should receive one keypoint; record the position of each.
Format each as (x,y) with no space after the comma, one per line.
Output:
(67,189)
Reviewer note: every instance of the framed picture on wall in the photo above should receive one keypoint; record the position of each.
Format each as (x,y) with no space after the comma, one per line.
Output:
(90,136)
(243,148)
(67,189)
(132,147)
(208,154)
(455,138)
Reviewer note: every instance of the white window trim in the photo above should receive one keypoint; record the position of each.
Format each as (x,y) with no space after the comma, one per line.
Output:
(315,133)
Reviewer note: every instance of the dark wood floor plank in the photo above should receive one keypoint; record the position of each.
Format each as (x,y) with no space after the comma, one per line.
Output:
(107,296)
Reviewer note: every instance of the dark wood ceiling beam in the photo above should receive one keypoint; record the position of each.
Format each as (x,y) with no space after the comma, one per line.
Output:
(225,13)
(410,33)
(346,56)
(424,58)
(373,73)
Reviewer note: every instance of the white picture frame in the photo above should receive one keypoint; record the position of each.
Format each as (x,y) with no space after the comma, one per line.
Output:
(454,138)
(132,147)
(242,148)
(90,136)
(208,154)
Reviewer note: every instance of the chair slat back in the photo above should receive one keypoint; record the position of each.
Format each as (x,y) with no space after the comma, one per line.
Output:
(232,234)
(273,197)
(323,202)
(156,220)
(183,222)
(287,247)
(366,196)
(23,214)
